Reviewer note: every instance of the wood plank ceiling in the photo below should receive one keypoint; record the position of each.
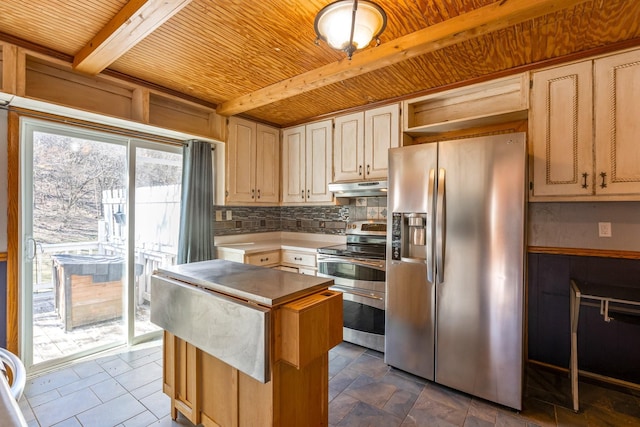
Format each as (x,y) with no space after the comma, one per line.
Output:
(220,50)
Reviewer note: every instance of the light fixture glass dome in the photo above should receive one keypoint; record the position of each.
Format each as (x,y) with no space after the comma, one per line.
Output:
(334,24)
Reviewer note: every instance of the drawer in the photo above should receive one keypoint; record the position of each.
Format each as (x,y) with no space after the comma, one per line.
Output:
(309,327)
(263,258)
(299,258)
(285,268)
(307,271)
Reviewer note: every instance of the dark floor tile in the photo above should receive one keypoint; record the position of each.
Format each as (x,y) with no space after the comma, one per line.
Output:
(340,407)
(337,364)
(366,415)
(367,390)
(567,418)
(342,380)
(446,396)
(538,412)
(435,407)
(598,416)
(504,419)
(346,349)
(483,410)
(400,403)
(374,353)
(472,421)
(404,381)
(625,404)
(370,366)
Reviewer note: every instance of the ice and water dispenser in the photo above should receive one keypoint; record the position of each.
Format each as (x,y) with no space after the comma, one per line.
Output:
(408,237)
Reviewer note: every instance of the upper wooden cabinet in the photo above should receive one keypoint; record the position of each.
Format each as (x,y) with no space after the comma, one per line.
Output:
(362,141)
(561,131)
(584,130)
(307,163)
(488,103)
(253,158)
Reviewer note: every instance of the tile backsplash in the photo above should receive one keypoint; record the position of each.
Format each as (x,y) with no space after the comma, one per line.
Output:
(230,220)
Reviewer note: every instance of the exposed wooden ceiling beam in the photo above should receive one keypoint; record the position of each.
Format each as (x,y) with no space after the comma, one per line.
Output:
(132,23)
(487,19)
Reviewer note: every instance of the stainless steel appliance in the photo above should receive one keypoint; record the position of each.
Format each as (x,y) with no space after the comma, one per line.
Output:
(455,264)
(358,270)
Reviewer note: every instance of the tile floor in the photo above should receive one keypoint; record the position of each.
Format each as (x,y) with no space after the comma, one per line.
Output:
(124,389)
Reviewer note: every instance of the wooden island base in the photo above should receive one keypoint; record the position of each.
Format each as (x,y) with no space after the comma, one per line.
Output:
(208,391)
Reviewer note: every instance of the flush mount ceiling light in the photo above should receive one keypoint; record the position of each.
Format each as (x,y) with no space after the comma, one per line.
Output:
(350,25)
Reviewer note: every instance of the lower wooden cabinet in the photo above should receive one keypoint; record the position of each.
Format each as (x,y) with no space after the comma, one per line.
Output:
(181,363)
(210,392)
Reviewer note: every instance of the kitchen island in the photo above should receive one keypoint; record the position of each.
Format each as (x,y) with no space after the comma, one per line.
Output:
(246,345)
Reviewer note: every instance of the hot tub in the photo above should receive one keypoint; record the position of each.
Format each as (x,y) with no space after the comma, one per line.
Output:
(88,288)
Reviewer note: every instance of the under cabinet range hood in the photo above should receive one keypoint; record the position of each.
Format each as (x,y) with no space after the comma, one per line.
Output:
(359,188)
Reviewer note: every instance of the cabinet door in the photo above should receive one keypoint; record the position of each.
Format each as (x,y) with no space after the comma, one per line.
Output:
(348,154)
(382,131)
(293,165)
(180,379)
(267,164)
(561,131)
(319,162)
(241,160)
(617,133)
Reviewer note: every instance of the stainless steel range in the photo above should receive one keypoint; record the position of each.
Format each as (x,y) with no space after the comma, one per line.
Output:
(358,270)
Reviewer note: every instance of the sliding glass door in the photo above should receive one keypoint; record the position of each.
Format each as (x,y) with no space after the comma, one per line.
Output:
(158,177)
(99,213)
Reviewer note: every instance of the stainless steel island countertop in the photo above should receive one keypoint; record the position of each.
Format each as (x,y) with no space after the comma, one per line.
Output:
(260,285)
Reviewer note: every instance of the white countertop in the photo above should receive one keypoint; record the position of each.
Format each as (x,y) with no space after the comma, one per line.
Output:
(255,243)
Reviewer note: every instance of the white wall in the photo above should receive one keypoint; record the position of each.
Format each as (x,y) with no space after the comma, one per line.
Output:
(575,225)
(3,180)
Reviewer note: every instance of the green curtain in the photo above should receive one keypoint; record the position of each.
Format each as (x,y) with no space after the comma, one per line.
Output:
(196,205)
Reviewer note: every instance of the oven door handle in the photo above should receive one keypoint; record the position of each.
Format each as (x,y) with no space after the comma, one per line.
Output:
(346,290)
(357,261)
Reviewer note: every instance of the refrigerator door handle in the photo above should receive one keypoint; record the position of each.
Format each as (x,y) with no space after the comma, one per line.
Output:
(429,225)
(440,225)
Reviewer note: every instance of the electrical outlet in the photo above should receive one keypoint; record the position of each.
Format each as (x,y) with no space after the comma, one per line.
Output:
(218,215)
(604,229)
(229,215)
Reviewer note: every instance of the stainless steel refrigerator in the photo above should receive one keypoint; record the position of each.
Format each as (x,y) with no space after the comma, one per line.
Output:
(455,264)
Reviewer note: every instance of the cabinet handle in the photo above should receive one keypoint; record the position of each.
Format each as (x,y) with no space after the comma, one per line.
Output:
(584,180)
(368,170)
(308,193)
(603,175)
(302,194)
(258,193)
(297,259)
(264,259)
(253,193)
(360,170)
